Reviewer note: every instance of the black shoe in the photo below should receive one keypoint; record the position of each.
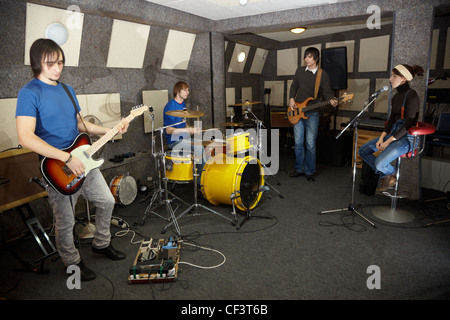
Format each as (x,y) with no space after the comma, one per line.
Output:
(296,174)
(110,252)
(86,274)
(310,178)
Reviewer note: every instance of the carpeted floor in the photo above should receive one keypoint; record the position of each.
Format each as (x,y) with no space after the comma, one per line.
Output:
(287,250)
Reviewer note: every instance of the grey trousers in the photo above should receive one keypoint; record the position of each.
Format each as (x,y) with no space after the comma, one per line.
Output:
(97,192)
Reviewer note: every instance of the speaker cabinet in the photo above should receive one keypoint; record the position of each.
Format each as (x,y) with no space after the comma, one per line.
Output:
(334,62)
(279,119)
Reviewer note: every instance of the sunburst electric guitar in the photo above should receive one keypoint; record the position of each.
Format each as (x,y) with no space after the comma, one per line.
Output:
(58,174)
(298,113)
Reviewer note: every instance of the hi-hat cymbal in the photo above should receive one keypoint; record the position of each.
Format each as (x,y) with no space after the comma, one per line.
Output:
(232,124)
(246,103)
(185,113)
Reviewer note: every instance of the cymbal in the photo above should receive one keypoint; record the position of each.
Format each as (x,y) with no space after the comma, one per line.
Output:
(232,124)
(185,113)
(246,103)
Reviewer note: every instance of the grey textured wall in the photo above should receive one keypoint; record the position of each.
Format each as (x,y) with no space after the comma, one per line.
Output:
(411,44)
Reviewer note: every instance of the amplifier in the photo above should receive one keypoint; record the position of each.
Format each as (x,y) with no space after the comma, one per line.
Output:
(278,119)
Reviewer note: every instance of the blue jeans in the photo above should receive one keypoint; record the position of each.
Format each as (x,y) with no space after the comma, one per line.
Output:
(95,190)
(381,164)
(305,136)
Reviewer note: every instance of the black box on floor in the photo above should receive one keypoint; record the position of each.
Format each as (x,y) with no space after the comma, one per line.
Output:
(332,151)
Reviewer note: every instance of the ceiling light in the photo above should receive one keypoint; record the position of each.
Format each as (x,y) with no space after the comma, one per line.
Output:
(57,32)
(243,2)
(298,30)
(241,57)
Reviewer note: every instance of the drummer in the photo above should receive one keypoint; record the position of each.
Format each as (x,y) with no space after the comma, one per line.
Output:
(178,135)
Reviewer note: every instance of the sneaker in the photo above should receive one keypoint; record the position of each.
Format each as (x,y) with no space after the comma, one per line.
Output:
(86,274)
(110,252)
(386,183)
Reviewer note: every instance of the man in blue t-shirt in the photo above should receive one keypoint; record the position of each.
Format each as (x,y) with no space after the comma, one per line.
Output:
(178,135)
(47,122)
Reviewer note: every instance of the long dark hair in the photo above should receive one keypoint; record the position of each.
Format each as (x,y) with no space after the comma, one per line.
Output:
(42,48)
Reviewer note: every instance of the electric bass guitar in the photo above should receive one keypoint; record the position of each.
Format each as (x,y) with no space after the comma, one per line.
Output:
(298,113)
(58,174)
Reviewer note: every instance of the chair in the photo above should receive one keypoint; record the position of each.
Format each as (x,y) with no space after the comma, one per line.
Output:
(392,213)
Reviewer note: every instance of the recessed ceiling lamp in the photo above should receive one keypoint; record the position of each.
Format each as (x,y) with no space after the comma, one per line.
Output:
(298,30)
(241,57)
(243,2)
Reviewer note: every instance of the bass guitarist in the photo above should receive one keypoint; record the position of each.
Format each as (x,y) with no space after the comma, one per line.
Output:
(305,131)
(47,122)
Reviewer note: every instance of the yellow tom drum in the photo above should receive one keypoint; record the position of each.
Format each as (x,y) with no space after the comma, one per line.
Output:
(224,176)
(179,169)
(238,143)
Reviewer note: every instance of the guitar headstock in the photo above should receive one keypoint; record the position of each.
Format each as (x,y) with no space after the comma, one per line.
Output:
(138,110)
(347,97)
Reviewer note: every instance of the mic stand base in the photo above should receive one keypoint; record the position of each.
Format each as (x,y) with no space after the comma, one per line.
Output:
(248,216)
(352,208)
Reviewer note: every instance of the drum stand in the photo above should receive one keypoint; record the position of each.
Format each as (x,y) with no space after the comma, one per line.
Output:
(195,205)
(352,207)
(162,194)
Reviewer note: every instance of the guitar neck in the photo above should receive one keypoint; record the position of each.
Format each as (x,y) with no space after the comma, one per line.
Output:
(108,136)
(317,105)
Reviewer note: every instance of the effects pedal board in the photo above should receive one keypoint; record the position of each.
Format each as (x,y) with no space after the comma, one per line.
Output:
(156,261)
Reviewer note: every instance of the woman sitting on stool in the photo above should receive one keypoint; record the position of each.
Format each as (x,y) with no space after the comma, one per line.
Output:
(395,140)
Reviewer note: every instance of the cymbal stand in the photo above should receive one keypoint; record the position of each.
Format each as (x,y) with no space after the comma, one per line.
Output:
(259,150)
(161,194)
(352,207)
(195,205)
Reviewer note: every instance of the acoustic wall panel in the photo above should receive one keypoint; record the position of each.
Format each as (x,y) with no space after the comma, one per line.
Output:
(39,18)
(258,61)
(374,54)
(382,103)
(158,100)
(128,44)
(360,89)
(287,61)
(178,50)
(235,65)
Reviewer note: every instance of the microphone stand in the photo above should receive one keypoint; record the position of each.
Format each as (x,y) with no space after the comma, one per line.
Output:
(259,126)
(352,207)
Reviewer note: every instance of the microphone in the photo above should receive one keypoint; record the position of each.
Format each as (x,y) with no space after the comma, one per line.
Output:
(376,94)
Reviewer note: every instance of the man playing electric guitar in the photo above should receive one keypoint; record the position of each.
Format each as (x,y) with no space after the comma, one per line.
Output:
(305,131)
(47,122)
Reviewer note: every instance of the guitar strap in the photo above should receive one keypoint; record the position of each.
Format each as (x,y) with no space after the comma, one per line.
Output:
(316,87)
(74,105)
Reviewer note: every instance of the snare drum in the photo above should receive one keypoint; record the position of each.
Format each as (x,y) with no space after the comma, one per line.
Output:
(124,189)
(224,176)
(238,143)
(179,169)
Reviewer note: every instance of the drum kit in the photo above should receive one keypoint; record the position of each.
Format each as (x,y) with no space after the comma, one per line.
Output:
(231,174)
